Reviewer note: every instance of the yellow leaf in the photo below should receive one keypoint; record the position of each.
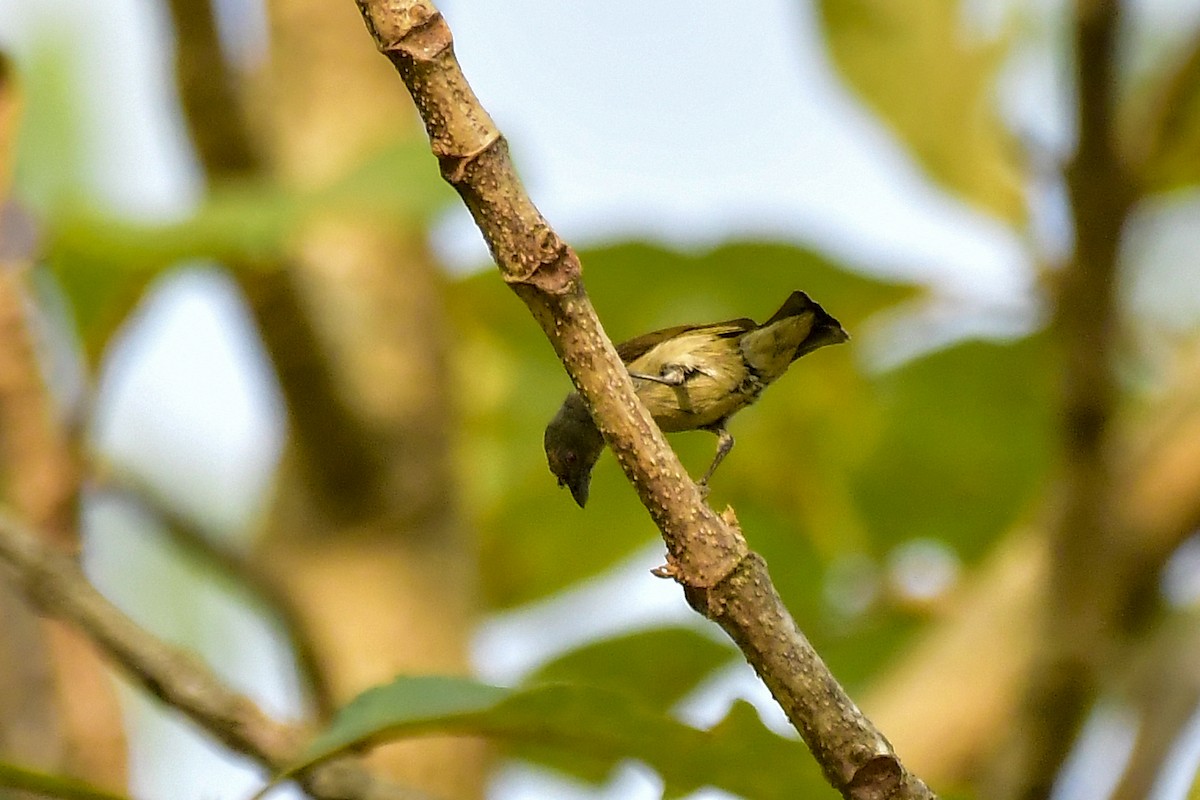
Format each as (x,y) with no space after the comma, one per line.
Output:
(918,67)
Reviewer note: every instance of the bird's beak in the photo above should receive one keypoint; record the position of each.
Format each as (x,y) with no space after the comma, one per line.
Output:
(579,489)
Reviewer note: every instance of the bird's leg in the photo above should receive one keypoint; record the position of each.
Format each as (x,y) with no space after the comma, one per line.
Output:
(724,445)
(671,375)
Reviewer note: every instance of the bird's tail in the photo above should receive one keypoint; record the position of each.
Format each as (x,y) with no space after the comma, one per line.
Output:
(825,330)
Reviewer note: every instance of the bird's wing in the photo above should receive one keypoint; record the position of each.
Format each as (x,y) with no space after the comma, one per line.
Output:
(637,347)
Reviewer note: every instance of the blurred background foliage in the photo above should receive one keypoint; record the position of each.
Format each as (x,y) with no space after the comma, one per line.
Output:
(883,481)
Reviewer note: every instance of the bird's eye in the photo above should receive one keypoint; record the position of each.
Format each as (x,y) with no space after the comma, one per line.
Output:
(570,458)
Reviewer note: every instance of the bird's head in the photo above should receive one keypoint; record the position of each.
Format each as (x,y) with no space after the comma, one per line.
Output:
(573,444)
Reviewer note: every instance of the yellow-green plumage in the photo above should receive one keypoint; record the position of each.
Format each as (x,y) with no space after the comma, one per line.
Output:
(713,389)
(692,377)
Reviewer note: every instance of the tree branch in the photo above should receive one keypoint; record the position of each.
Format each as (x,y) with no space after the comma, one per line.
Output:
(56,587)
(245,573)
(56,704)
(976,660)
(334,445)
(1091,562)
(706,553)
(363,503)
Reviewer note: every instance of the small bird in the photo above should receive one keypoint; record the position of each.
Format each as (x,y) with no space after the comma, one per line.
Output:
(693,377)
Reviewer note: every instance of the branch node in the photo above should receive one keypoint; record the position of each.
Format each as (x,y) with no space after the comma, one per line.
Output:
(707,592)
(878,779)
(549,266)
(454,166)
(412,30)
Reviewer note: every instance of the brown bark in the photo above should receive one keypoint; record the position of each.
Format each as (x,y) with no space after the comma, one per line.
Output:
(706,553)
(58,708)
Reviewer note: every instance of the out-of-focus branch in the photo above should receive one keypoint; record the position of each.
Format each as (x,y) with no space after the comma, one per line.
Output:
(206,89)
(38,462)
(976,658)
(56,703)
(1162,687)
(56,587)
(363,518)
(330,439)
(1085,614)
(706,553)
(31,726)
(246,574)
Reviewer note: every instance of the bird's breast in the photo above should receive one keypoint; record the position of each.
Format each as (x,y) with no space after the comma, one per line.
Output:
(718,382)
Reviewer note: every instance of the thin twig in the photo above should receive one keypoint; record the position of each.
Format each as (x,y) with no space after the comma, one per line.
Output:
(706,553)
(245,573)
(55,586)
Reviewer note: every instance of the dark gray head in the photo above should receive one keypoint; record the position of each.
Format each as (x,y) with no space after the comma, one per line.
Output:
(572,446)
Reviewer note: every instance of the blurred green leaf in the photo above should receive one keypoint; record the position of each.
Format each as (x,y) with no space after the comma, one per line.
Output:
(916,65)
(47,785)
(534,540)
(50,156)
(253,220)
(831,463)
(967,446)
(740,755)
(1162,125)
(104,264)
(658,667)
(100,297)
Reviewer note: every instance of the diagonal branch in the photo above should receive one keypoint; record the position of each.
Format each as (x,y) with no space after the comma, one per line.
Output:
(706,553)
(245,573)
(55,586)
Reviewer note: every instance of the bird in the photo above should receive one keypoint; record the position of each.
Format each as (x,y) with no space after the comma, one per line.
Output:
(693,377)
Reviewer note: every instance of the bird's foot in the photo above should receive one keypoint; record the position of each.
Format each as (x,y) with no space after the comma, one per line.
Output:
(670,374)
